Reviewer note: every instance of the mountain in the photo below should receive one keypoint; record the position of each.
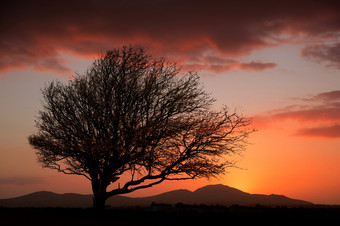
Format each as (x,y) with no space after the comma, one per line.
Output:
(48,199)
(210,195)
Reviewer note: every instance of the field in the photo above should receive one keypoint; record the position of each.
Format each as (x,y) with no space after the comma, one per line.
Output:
(186,215)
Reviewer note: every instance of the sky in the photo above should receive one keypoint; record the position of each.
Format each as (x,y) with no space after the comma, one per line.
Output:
(275,61)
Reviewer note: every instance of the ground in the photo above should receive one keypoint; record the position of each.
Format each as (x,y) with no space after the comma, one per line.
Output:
(235,215)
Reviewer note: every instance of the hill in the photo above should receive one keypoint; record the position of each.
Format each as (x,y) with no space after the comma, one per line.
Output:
(209,195)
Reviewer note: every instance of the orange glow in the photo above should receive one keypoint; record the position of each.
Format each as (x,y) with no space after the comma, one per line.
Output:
(279,65)
(281,163)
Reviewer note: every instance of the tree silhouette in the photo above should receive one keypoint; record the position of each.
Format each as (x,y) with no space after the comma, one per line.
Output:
(134,121)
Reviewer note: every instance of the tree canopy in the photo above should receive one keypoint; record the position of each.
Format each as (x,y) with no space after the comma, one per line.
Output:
(135,121)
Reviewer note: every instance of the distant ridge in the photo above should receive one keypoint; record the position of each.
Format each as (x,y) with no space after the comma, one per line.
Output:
(210,195)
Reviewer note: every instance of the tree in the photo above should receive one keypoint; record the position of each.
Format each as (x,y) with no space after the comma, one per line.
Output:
(134,121)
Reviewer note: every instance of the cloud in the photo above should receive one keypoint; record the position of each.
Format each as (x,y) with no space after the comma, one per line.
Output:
(41,58)
(326,112)
(326,132)
(256,66)
(22,180)
(328,96)
(323,106)
(219,64)
(33,31)
(323,53)
(319,116)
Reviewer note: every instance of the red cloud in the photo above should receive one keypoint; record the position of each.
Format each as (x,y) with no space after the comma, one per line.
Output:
(33,31)
(321,113)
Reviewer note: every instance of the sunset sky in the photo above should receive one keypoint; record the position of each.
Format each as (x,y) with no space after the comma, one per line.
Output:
(275,61)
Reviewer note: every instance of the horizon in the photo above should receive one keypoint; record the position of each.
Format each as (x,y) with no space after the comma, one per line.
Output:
(275,62)
(211,189)
(132,195)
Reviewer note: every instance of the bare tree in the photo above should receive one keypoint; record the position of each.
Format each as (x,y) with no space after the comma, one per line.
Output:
(134,121)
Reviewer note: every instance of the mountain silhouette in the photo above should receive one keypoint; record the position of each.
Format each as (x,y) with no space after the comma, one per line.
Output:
(209,195)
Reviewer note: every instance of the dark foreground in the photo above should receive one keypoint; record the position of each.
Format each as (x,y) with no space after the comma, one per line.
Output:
(235,215)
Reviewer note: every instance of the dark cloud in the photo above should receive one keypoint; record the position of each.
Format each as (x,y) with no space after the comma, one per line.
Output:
(22,180)
(323,53)
(33,31)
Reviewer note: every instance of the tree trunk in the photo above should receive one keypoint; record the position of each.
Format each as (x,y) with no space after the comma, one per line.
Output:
(99,201)
(99,194)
